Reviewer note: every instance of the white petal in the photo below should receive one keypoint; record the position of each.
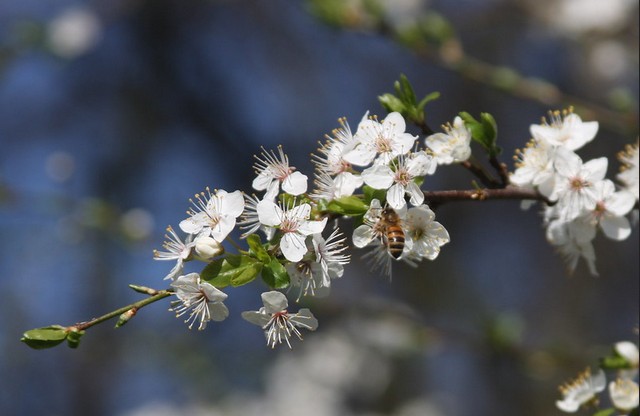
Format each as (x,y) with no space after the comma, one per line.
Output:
(274,302)
(361,155)
(362,236)
(567,163)
(404,143)
(595,169)
(616,228)
(620,203)
(312,227)
(222,229)
(417,196)
(378,176)
(346,183)
(293,246)
(394,122)
(422,164)
(395,196)
(194,224)
(587,131)
(568,405)
(301,212)
(218,311)
(599,381)
(186,282)
(304,319)
(272,191)
(262,181)
(212,293)
(232,203)
(629,351)
(269,213)
(295,184)
(256,318)
(176,270)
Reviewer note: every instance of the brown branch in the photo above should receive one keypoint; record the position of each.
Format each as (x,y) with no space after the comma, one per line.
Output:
(435,198)
(502,170)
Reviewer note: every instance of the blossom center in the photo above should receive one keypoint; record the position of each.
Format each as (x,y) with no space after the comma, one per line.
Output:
(383,144)
(281,172)
(402,176)
(578,184)
(416,233)
(289,225)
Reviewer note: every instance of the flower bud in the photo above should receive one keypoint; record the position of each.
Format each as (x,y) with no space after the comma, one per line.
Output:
(207,248)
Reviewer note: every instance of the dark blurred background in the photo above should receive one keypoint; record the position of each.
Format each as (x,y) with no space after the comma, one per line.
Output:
(114,113)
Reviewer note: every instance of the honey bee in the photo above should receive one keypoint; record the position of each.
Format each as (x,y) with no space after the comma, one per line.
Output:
(392,234)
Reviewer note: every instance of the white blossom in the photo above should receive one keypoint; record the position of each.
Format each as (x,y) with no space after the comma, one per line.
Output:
(573,242)
(564,129)
(307,276)
(386,139)
(625,394)
(331,159)
(581,391)
(453,146)
(213,215)
(574,183)
(177,250)
(201,298)
(330,255)
(534,167)
(293,223)
(399,178)
(273,170)
(609,212)
(426,234)
(278,324)
(313,274)
(329,188)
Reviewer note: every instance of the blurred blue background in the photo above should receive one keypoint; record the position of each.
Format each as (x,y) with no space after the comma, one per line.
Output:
(114,113)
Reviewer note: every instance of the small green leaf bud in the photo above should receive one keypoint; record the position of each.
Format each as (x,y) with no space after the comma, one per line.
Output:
(125,317)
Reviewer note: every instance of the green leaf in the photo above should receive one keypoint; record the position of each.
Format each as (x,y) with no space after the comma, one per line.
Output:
(73,338)
(370,194)
(477,131)
(391,103)
(490,129)
(405,91)
(484,132)
(46,337)
(605,412)
(257,249)
(275,274)
(234,270)
(614,362)
(427,99)
(348,205)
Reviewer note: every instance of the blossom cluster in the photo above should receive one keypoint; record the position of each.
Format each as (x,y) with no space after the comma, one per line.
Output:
(582,199)
(385,160)
(380,158)
(623,389)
